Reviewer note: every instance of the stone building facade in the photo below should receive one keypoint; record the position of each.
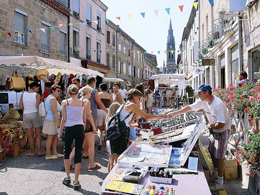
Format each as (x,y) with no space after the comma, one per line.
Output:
(150,66)
(125,57)
(20,26)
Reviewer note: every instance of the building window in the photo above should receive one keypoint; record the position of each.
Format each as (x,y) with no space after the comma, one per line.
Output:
(138,73)
(107,59)
(19,28)
(134,72)
(234,64)
(114,40)
(134,54)
(256,65)
(138,57)
(98,52)
(119,66)
(119,47)
(169,55)
(114,62)
(45,38)
(62,43)
(129,51)
(142,58)
(98,20)
(88,13)
(88,48)
(129,70)
(76,8)
(108,37)
(75,42)
(124,68)
(124,50)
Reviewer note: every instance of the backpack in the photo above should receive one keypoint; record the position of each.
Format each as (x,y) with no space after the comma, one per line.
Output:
(42,110)
(115,126)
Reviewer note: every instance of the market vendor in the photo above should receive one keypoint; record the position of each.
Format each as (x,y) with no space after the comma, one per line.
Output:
(219,127)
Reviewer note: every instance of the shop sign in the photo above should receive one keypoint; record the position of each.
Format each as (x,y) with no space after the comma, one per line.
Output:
(208,62)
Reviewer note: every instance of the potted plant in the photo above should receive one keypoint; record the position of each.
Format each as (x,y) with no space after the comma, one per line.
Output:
(89,23)
(99,29)
(204,51)
(210,43)
(200,56)
(216,35)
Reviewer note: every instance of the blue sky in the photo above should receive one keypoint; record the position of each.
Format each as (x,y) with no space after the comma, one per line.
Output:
(150,32)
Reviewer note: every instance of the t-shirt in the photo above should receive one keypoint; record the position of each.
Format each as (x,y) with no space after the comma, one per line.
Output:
(241,83)
(123,93)
(216,112)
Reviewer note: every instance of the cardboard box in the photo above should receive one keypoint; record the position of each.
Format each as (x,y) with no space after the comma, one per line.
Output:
(230,169)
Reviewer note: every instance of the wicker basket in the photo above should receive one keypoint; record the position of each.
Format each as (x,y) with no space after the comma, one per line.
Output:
(11,114)
(40,74)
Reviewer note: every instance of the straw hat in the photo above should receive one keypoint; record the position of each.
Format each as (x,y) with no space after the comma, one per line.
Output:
(11,114)
(30,76)
(44,79)
(40,74)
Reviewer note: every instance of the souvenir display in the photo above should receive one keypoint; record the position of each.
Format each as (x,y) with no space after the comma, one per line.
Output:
(146,154)
(124,187)
(159,190)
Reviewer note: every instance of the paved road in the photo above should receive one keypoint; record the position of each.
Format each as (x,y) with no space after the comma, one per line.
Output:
(35,175)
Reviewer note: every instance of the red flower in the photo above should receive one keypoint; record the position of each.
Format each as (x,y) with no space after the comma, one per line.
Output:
(250,118)
(246,109)
(241,98)
(236,142)
(235,159)
(244,133)
(248,141)
(255,130)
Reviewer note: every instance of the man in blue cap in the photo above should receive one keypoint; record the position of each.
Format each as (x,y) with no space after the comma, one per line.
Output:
(219,126)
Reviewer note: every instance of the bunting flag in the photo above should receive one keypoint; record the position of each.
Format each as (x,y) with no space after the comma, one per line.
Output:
(43,30)
(30,31)
(158,52)
(89,51)
(211,2)
(151,51)
(107,20)
(143,14)
(52,29)
(165,52)
(131,16)
(9,34)
(107,49)
(156,12)
(138,52)
(94,50)
(100,51)
(113,49)
(86,24)
(168,10)
(178,51)
(70,24)
(118,18)
(1,35)
(195,5)
(181,7)
(144,52)
(172,51)
(19,32)
(61,25)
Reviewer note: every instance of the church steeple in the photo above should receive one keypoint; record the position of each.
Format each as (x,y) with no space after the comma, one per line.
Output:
(170,50)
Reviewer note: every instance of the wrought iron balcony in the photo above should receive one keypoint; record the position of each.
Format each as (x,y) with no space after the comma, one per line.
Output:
(19,38)
(88,57)
(44,47)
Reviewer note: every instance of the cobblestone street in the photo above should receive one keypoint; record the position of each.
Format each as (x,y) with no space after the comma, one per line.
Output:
(35,175)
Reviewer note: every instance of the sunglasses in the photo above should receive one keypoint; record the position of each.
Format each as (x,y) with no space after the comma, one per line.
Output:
(58,90)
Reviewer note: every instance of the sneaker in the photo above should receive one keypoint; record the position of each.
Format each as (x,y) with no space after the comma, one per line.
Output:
(66,181)
(213,177)
(76,186)
(217,187)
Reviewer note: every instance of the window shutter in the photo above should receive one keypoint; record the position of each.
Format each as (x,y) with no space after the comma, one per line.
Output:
(108,37)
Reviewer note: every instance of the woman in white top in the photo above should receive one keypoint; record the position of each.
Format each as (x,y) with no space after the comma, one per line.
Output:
(29,103)
(119,145)
(116,96)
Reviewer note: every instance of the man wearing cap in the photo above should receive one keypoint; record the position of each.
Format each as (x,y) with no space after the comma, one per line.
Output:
(219,127)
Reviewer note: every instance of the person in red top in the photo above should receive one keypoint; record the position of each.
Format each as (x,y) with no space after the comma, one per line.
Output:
(47,92)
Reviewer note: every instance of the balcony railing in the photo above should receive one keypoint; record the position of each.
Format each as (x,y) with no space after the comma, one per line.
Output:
(227,25)
(45,47)
(88,57)
(76,14)
(62,52)
(19,38)
(63,2)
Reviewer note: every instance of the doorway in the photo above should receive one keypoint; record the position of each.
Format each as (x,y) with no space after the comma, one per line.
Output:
(222,77)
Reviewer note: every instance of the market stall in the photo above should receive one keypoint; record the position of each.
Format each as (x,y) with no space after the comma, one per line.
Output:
(147,167)
(169,88)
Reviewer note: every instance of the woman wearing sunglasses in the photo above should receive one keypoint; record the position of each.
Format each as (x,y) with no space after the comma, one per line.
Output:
(52,122)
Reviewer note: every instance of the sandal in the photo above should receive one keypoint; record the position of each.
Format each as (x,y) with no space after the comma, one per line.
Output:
(71,167)
(96,167)
(29,154)
(99,147)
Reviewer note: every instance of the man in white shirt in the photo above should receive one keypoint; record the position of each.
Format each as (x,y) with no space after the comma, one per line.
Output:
(123,92)
(219,127)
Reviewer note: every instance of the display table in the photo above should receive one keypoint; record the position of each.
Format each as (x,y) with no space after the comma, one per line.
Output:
(182,183)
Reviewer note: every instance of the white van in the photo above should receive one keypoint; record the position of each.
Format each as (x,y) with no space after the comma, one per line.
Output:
(9,99)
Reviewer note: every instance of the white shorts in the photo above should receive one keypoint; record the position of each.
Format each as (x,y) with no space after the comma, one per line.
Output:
(101,117)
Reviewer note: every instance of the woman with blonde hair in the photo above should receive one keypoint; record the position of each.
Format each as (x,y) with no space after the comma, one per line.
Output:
(91,130)
(74,119)
(112,158)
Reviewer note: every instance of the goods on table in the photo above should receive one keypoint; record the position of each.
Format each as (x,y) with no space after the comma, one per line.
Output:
(11,115)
